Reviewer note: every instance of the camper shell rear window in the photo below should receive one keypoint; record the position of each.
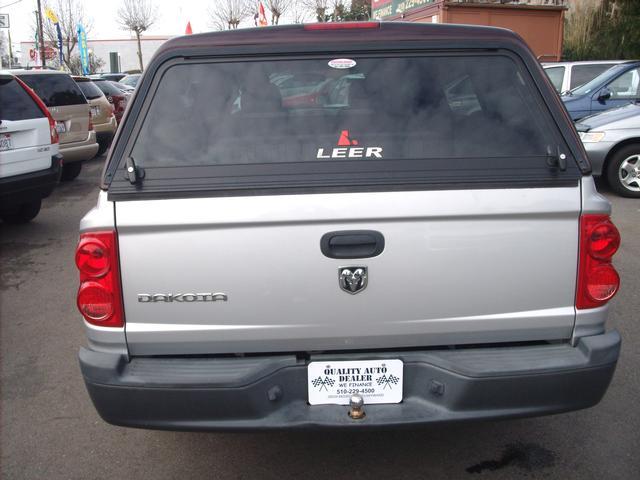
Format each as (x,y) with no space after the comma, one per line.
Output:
(361,121)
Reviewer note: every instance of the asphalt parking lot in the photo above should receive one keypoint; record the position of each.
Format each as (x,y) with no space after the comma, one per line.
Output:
(49,428)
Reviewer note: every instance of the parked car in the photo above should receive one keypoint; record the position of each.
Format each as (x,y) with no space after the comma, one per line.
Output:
(615,87)
(402,259)
(131,80)
(30,164)
(612,140)
(102,113)
(566,76)
(114,77)
(71,111)
(115,96)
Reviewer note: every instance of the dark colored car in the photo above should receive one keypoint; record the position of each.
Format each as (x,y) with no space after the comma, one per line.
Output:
(614,88)
(115,96)
(114,77)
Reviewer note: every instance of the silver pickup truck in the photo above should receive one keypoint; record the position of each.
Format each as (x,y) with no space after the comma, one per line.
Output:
(345,225)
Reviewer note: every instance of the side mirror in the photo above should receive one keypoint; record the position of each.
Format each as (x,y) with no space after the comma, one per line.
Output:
(605,94)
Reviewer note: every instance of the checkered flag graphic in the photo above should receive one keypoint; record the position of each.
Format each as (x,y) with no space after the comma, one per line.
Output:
(388,381)
(320,383)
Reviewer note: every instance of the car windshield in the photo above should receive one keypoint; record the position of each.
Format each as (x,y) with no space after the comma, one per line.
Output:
(327,109)
(131,80)
(90,90)
(601,79)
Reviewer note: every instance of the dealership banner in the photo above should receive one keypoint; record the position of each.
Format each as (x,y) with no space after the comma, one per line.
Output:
(386,8)
(83,49)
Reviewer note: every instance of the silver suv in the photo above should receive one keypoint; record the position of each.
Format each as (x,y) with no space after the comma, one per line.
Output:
(425,245)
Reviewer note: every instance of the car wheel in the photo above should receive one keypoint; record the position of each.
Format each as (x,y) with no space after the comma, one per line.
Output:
(623,171)
(25,213)
(70,171)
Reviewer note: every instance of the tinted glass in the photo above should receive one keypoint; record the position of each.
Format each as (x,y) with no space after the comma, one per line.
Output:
(55,90)
(90,90)
(306,112)
(107,88)
(131,80)
(597,82)
(17,104)
(581,74)
(626,85)
(556,75)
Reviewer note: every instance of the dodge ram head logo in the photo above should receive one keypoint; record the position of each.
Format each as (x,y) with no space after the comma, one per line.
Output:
(352,279)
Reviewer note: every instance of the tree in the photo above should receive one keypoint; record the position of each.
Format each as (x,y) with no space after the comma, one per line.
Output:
(277,8)
(75,65)
(227,14)
(602,29)
(70,13)
(320,8)
(137,16)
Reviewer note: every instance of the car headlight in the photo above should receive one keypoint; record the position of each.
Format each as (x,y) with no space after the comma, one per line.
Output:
(591,137)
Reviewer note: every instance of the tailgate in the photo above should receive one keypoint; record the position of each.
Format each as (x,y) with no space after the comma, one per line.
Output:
(457,267)
(72,122)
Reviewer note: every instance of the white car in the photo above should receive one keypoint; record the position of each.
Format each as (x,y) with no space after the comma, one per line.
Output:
(30,164)
(565,76)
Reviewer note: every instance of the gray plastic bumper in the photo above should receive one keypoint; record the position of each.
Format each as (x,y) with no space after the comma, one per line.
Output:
(269,392)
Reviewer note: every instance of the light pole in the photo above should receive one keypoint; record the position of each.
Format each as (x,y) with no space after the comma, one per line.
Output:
(40,35)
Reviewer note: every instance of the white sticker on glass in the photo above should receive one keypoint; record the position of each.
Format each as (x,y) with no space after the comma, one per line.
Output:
(342,63)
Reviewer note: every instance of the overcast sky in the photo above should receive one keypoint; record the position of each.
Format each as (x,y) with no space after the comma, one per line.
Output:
(172,20)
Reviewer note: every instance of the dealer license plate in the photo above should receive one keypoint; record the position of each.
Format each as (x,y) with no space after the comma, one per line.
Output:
(376,381)
(95,111)
(5,142)
(61,127)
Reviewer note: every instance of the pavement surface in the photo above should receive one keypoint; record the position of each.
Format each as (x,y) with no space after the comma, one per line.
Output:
(49,428)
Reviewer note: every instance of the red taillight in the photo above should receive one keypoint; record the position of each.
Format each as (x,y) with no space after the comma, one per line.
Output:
(118,103)
(52,123)
(99,297)
(90,121)
(341,25)
(598,280)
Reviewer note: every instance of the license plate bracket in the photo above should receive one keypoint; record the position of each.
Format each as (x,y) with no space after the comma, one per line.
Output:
(334,382)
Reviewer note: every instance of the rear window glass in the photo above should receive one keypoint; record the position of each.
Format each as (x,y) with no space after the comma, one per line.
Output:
(55,90)
(90,90)
(581,74)
(108,88)
(17,104)
(364,109)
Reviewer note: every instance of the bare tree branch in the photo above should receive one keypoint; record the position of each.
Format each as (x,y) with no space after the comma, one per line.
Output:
(277,8)
(227,14)
(137,16)
(320,8)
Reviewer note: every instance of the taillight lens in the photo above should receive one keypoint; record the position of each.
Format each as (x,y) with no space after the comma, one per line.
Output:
(598,280)
(52,123)
(99,297)
(90,121)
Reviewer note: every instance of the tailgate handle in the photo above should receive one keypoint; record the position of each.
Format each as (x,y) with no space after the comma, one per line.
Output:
(352,244)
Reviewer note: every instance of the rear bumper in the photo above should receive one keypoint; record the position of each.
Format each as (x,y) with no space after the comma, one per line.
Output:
(106,131)
(270,392)
(80,151)
(18,189)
